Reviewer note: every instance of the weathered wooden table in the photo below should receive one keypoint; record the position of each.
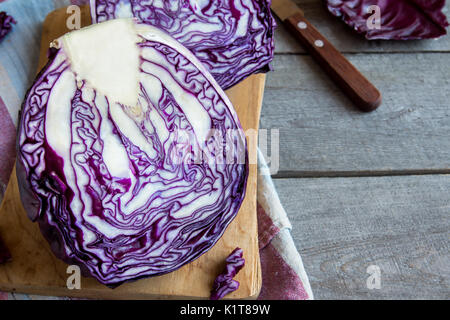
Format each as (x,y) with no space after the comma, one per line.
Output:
(365,189)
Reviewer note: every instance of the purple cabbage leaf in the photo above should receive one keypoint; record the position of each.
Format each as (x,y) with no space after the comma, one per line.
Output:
(399,19)
(6,23)
(224,283)
(232,38)
(120,153)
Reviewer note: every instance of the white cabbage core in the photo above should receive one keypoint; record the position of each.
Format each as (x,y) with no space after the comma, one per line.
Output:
(106,56)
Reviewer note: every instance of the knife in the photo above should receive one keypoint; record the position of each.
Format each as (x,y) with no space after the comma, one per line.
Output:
(363,93)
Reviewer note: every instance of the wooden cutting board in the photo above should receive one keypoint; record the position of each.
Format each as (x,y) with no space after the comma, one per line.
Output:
(35,270)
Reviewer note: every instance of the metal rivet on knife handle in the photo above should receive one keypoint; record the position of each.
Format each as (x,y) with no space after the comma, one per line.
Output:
(302,25)
(319,43)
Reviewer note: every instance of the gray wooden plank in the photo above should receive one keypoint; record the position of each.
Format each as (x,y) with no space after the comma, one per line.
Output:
(322,134)
(346,40)
(343,225)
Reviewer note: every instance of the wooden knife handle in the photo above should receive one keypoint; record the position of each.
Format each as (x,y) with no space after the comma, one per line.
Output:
(352,82)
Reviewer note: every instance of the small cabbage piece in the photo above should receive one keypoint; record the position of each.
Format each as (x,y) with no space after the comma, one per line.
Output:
(224,283)
(400,19)
(6,23)
(232,38)
(130,156)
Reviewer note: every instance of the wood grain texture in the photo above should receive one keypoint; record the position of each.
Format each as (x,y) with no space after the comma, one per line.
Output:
(348,41)
(398,221)
(343,225)
(322,134)
(34,268)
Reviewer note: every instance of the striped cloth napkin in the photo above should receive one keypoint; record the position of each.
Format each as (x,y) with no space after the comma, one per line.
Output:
(283,274)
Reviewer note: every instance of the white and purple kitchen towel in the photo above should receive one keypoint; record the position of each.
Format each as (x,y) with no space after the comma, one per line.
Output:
(283,273)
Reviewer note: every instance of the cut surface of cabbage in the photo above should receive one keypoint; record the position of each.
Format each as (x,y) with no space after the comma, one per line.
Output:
(121,153)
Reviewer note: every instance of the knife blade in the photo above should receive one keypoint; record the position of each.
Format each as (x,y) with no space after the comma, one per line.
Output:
(352,82)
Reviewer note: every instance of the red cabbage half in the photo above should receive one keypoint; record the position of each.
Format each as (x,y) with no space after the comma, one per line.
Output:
(400,19)
(232,38)
(120,153)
